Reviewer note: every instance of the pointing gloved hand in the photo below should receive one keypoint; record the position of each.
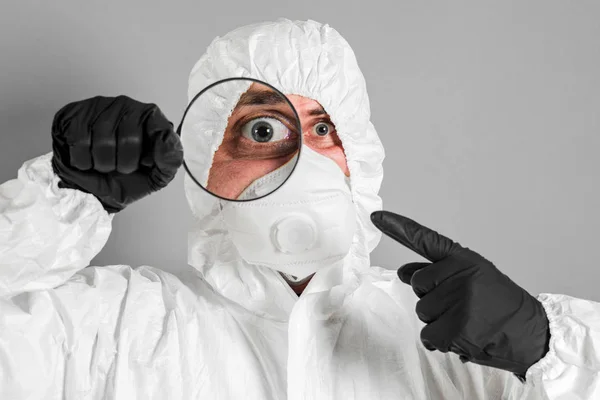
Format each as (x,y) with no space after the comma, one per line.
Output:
(115,148)
(469,306)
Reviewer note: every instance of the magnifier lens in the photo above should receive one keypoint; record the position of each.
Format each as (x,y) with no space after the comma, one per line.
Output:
(255,133)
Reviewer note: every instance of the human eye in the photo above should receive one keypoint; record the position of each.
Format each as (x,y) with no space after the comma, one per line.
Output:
(322,128)
(265,130)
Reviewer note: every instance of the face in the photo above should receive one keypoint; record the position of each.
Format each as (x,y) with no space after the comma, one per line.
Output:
(256,143)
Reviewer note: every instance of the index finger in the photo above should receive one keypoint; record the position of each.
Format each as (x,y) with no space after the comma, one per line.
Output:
(165,145)
(418,238)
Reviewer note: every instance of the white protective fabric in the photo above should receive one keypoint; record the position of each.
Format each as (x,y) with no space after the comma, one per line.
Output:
(230,330)
(306,225)
(270,182)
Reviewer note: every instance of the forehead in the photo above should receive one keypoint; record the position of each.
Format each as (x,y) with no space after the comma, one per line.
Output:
(304,104)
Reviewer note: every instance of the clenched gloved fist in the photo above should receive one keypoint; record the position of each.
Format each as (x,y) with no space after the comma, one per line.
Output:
(469,306)
(115,148)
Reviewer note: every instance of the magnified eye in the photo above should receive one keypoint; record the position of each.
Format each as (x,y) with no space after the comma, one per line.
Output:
(322,128)
(264,130)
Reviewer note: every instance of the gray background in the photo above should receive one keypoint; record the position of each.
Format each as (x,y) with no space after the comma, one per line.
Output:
(490,114)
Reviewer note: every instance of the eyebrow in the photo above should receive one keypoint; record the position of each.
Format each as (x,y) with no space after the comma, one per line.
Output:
(317,112)
(262,97)
(254,98)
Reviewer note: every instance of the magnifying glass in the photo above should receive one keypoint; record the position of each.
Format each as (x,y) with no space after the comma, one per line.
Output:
(241,139)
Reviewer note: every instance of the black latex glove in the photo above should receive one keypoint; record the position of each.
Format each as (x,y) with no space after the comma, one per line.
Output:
(115,148)
(469,306)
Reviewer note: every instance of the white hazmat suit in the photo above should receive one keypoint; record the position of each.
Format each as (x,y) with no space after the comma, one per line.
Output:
(233,330)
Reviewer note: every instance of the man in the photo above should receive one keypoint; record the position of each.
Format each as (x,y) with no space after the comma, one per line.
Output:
(235,328)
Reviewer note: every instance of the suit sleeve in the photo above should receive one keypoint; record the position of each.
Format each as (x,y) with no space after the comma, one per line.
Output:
(47,233)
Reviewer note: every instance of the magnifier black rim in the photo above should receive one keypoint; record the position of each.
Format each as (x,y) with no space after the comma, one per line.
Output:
(187,170)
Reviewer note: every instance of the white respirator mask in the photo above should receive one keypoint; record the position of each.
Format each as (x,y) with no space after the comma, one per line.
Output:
(306,224)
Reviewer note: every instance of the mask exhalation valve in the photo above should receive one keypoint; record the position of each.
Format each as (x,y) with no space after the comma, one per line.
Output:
(294,234)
